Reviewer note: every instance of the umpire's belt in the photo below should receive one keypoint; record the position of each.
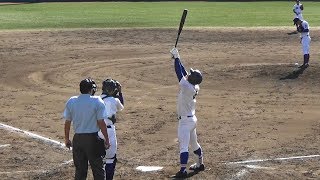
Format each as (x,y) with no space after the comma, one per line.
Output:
(186,116)
(87,134)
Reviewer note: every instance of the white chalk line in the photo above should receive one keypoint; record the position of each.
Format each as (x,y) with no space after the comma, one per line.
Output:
(258,167)
(19,172)
(274,159)
(66,163)
(35,136)
(32,135)
(246,164)
(239,174)
(4,145)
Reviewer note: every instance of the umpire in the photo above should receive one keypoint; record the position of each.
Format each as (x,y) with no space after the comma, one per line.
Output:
(87,114)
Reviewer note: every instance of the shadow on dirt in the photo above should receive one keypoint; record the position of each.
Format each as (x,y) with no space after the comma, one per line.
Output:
(294,74)
(188,176)
(293,32)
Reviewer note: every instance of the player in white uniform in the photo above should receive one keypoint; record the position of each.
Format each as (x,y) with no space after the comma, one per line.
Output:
(114,103)
(297,10)
(189,89)
(305,40)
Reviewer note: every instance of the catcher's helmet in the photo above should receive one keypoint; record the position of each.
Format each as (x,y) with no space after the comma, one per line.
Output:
(86,85)
(108,86)
(195,77)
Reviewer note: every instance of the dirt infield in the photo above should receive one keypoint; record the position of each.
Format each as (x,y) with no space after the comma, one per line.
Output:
(250,106)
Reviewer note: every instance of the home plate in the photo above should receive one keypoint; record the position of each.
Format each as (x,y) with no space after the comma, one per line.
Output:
(148,168)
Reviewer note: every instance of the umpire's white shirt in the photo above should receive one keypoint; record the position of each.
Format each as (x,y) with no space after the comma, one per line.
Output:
(187,98)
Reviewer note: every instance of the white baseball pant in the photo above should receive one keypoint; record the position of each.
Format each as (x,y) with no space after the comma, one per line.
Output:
(187,134)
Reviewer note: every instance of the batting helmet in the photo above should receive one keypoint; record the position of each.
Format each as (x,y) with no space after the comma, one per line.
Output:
(195,77)
(108,86)
(86,85)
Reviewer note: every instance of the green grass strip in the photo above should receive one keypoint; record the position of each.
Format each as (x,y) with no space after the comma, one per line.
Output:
(153,14)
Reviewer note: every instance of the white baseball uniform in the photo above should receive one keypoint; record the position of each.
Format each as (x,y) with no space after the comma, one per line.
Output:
(305,38)
(297,9)
(186,107)
(113,105)
(186,114)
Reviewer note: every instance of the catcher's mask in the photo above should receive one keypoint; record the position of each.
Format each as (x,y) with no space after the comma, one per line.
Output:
(86,85)
(195,77)
(108,86)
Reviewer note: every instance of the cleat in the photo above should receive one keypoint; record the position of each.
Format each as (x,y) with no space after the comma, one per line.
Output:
(194,167)
(181,174)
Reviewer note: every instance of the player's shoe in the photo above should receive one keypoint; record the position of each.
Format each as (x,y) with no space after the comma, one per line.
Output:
(194,167)
(181,174)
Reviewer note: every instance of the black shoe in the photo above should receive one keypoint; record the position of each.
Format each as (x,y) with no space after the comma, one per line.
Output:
(180,174)
(194,167)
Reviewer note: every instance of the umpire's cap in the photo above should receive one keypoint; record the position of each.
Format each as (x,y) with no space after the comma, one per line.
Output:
(195,76)
(86,85)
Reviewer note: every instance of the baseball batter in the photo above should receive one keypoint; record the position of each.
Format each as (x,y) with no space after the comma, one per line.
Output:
(305,40)
(189,89)
(110,90)
(297,10)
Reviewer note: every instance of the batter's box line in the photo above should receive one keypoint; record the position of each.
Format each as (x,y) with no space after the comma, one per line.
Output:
(274,159)
(247,164)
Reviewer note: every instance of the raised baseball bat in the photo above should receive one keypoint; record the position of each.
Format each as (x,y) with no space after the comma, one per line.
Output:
(183,18)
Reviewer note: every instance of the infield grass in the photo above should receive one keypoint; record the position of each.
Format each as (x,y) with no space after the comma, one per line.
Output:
(153,14)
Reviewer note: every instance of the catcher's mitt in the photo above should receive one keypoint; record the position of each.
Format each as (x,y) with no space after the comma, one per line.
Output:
(299,28)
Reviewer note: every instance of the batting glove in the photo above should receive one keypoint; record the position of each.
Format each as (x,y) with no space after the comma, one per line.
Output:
(175,53)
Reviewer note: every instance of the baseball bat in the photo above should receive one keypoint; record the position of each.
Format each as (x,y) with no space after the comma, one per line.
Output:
(183,18)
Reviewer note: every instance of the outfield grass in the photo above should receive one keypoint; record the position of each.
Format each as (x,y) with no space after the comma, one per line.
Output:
(152,14)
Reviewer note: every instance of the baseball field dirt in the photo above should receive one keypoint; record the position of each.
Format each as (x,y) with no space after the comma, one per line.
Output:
(250,106)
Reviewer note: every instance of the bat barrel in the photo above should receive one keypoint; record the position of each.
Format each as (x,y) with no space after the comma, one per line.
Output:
(183,18)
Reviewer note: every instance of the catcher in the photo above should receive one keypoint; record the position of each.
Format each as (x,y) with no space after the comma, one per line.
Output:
(113,100)
(305,39)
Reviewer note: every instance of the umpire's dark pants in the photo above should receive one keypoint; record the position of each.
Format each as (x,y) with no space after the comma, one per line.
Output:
(86,148)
